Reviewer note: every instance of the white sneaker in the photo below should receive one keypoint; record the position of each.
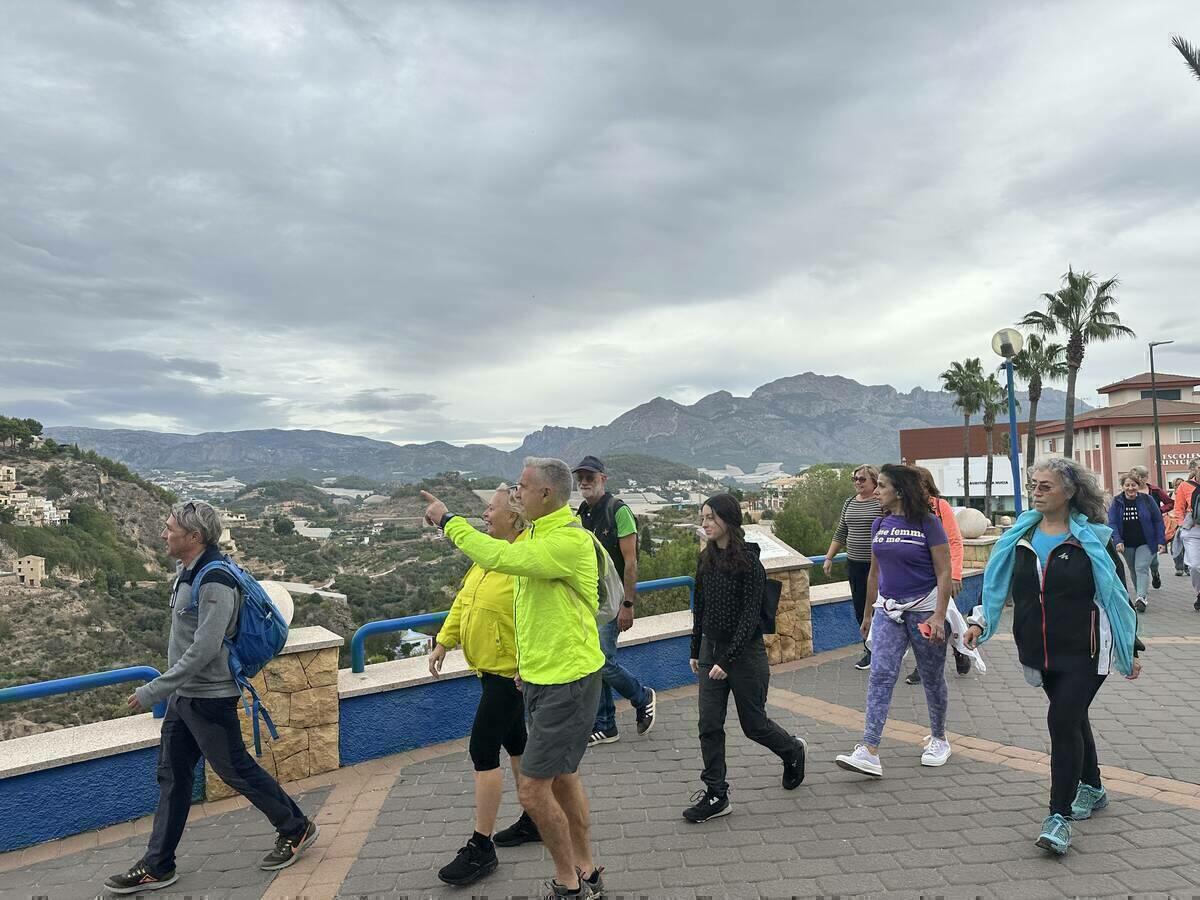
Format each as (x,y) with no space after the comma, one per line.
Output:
(937,751)
(862,761)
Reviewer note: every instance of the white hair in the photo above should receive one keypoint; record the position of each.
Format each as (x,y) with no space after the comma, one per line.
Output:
(1079,483)
(196,515)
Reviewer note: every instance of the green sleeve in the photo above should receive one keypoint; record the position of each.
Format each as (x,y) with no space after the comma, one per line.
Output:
(625,522)
(531,559)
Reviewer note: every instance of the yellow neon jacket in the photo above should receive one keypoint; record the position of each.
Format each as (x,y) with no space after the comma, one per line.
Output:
(555,594)
(481,620)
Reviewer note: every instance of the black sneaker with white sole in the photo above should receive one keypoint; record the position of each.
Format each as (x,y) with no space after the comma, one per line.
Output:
(645,714)
(1155,580)
(604,736)
(793,768)
(288,849)
(707,805)
(864,662)
(914,677)
(139,878)
(472,863)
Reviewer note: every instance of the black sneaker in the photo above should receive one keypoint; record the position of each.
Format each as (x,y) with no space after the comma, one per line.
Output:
(962,663)
(472,863)
(1155,580)
(645,714)
(914,677)
(1196,605)
(708,805)
(595,881)
(793,768)
(604,736)
(864,662)
(522,831)
(555,891)
(288,849)
(139,879)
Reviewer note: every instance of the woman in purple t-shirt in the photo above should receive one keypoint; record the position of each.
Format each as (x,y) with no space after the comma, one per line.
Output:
(909,588)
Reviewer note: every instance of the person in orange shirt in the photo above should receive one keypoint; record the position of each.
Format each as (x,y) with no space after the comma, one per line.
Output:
(1187,509)
(945,513)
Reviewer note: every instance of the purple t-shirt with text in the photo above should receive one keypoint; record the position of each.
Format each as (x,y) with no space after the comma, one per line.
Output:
(901,547)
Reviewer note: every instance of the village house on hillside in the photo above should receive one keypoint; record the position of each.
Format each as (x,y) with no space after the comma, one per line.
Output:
(28,509)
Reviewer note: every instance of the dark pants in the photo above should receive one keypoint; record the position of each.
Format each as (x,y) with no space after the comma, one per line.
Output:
(857,573)
(208,727)
(499,722)
(1072,747)
(749,675)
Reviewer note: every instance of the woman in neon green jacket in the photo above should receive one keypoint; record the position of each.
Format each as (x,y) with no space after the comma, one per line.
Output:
(481,622)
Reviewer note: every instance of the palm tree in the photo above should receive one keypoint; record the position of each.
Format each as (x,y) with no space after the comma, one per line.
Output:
(993,401)
(963,379)
(1190,54)
(1039,361)
(1082,310)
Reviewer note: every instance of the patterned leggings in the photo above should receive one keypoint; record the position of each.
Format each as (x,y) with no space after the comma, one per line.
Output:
(889,640)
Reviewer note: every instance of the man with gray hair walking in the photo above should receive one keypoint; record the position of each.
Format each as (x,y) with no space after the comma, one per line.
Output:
(202,701)
(555,598)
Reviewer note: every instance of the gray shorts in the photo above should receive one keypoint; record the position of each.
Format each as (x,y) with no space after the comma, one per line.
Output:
(560,722)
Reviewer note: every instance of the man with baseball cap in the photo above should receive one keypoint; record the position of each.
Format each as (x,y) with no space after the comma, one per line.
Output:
(611,521)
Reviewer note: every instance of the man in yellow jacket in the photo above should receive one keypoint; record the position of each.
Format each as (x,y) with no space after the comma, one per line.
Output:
(481,622)
(556,584)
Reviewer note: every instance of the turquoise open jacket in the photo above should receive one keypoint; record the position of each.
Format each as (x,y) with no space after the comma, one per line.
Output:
(1111,594)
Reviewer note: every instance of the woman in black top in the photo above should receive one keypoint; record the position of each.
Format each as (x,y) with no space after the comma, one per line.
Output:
(728,656)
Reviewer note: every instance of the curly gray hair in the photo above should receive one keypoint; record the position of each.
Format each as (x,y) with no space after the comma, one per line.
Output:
(200,517)
(1080,483)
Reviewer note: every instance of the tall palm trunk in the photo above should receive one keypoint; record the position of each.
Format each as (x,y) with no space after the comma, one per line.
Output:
(1035,394)
(987,485)
(1069,416)
(966,460)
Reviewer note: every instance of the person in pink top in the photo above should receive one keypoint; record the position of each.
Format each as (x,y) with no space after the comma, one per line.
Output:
(945,513)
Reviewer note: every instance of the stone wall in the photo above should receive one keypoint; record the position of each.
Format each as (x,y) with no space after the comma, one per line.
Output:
(793,624)
(976,551)
(300,690)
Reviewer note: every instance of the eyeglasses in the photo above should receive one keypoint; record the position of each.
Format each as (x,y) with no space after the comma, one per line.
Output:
(1039,487)
(858,478)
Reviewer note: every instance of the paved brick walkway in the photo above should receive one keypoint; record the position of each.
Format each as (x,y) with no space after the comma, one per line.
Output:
(965,830)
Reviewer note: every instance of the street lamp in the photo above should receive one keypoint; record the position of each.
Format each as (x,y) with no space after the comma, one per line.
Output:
(1007,342)
(1154,406)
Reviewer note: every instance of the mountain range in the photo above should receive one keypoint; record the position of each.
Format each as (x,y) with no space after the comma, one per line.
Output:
(799,420)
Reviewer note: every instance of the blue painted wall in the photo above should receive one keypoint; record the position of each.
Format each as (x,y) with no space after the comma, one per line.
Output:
(55,803)
(375,725)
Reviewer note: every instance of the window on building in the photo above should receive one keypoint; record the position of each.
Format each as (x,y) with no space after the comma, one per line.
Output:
(1048,445)
(1189,435)
(1163,394)
(1096,439)
(1129,439)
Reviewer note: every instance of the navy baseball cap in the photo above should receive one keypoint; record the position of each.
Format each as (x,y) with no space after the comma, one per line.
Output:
(590,464)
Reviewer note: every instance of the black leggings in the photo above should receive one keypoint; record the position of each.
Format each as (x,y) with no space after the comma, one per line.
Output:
(1072,747)
(499,722)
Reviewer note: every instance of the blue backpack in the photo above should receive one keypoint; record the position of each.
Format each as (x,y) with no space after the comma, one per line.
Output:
(261,634)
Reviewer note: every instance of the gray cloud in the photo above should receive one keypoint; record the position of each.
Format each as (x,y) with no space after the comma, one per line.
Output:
(407,216)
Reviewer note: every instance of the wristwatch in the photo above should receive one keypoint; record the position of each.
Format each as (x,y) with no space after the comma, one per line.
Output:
(628,604)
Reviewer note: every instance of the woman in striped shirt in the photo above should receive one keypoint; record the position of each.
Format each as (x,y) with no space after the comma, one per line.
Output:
(854,533)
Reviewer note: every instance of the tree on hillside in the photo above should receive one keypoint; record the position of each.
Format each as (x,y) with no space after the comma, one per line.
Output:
(810,514)
(963,380)
(1190,54)
(284,525)
(1082,310)
(993,401)
(1039,361)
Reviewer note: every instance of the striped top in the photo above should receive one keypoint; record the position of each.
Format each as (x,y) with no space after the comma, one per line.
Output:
(854,527)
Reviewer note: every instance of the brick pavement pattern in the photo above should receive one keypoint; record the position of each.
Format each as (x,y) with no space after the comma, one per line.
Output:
(965,830)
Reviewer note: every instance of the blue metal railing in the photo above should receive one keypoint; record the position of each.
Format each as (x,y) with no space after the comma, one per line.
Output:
(358,653)
(820,560)
(83,683)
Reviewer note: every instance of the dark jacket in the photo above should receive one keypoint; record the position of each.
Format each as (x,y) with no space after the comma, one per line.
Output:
(1056,622)
(602,522)
(728,607)
(1148,514)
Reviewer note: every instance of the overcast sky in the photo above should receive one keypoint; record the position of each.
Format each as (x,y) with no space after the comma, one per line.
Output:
(466,221)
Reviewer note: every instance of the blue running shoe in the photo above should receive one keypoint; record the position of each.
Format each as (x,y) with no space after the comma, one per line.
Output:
(1056,835)
(1087,800)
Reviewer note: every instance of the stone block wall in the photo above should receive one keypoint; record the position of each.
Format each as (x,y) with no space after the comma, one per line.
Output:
(976,551)
(299,689)
(793,637)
